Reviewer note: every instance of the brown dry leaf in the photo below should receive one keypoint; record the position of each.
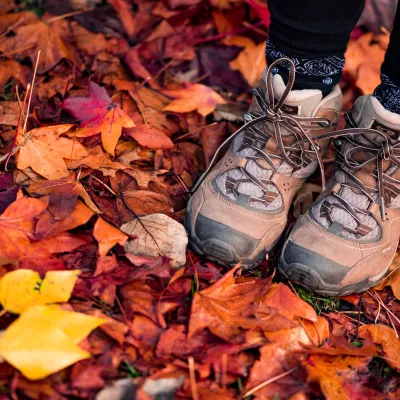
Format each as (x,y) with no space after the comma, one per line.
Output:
(252,55)
(193,97)
(107,236)
(392,280)
(9,112)
(151,104)
(387,338)
(14,20)
(157,235)
(39,35)
(45,151)
(11,69)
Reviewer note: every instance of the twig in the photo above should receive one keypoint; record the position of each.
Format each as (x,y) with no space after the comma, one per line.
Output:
(224,362)
(17,131)
(3,312)
(106,186)
(375,296)
(122,309)
(70,14)
(30,95)
(192,374)
(255,29)
(10,53)
(261,385)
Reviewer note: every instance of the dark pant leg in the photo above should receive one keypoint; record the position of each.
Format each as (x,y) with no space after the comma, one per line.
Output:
(388,92)
(314,34)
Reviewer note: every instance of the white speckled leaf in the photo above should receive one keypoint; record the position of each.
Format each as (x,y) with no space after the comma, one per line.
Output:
(157,235)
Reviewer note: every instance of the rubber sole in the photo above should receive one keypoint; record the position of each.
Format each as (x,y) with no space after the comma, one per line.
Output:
(218,251)
(311,280)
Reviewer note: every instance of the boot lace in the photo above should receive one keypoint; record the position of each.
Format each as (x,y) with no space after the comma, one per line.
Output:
(297,148)
(362,151)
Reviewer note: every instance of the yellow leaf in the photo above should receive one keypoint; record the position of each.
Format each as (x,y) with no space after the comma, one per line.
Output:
(23,288)
(43,340)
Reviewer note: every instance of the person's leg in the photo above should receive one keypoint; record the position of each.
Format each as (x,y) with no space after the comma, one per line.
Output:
(388,92)
(314,34)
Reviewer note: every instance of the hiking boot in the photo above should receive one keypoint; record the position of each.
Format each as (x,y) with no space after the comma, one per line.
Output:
(346,242)
(240,209)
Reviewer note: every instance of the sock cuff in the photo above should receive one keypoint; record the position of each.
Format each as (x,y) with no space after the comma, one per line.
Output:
(388,94)
(311,73)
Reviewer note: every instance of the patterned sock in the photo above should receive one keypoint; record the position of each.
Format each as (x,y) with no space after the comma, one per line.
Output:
(388,94)
(321,73)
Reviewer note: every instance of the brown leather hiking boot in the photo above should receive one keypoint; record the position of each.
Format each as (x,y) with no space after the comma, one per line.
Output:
(240,209)
(347,241)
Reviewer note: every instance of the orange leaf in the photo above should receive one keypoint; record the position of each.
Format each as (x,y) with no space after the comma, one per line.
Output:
(282,299)
(193,97)
(251,60)
(17,225)
(393,280)
(385,336)
(98,114)
(45,151)
(150,137)
(107,236)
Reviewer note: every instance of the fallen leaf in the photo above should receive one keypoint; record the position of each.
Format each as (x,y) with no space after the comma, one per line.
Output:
(43,340)
(392,280)
(39,35)
(387,338)
(252,55)
(11,69)
(151,138)
(223,307)
(338,377)
(157,235)
(45,151)
(24,288)
(193,97)
(17,224)
(107,236)
(284,301)
(98,114)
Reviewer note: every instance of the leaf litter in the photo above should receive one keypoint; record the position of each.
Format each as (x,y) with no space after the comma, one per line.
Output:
(99,294)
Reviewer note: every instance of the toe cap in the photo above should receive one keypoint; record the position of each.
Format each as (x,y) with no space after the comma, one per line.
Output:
(310,268)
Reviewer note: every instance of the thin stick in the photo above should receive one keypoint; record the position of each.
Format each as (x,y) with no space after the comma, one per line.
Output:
(10,53)
(261,385)
(106,186)
(192,374)
(255,29)
(70,14)
(3,312)
(17,131)
(224,362)
(18,97)
(30,95)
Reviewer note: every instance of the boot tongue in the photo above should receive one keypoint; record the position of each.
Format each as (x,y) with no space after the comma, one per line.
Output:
(298,102)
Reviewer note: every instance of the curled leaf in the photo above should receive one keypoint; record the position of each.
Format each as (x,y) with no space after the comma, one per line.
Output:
(157,235)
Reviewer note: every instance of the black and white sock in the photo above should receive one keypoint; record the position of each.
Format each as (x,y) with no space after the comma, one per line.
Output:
(322,73)
(388,94)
